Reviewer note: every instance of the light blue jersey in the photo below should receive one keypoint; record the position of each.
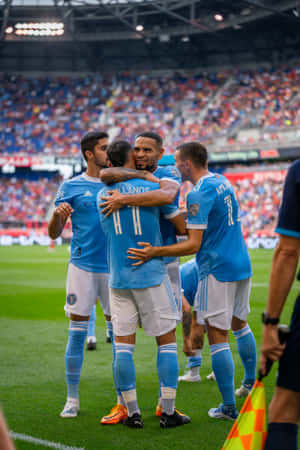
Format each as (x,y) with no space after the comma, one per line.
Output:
(88,244)
(124,229)
(212,207)
(189,280)
(167,228)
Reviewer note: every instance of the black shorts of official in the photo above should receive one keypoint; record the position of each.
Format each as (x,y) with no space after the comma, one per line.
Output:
(289,364)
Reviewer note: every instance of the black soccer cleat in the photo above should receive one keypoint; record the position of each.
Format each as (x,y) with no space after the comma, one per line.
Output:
(134,421)
(91,343)
(174,420)
(108,340)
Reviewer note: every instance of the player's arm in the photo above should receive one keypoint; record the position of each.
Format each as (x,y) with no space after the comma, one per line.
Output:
(159,197)
(284,266)
(186,327)
(58,219)
(117,174)
(179,224)
(188,247)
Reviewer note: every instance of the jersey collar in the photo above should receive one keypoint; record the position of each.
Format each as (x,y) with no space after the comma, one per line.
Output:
(208,175)
(92,179)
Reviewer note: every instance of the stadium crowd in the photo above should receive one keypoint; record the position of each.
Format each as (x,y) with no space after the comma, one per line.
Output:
(49,115)
(24,200)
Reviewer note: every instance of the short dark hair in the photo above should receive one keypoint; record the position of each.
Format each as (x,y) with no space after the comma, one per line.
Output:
(151,135)
(91,139)
(118,153)
(194,151)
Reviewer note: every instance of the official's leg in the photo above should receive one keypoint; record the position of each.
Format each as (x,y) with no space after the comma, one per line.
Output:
(284,417)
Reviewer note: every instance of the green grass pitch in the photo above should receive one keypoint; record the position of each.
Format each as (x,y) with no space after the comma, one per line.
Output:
(33,331)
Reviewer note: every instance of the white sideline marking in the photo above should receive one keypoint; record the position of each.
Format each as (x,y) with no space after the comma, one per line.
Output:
(36,441)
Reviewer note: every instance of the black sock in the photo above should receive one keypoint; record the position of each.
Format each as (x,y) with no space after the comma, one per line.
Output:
(281,436)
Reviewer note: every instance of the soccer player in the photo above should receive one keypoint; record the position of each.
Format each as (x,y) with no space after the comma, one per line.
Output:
(224,270)
(87,278)
(148,150)
(140,294)
(192,342)
(284,410)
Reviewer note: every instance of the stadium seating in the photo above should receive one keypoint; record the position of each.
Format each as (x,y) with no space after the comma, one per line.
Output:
(48,115)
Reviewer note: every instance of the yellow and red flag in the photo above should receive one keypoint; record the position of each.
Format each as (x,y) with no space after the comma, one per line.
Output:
(249,431)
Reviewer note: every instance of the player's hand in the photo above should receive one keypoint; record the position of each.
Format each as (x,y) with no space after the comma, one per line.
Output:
(112,203)
(187,348)
(151,177)
(64,210)
(270,346)
(141,254)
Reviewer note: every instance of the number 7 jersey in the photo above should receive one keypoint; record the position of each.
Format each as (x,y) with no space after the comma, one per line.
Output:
(213,207)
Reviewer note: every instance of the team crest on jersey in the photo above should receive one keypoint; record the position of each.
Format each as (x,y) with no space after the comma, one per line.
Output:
(71,299)
(193,209)
(60,195)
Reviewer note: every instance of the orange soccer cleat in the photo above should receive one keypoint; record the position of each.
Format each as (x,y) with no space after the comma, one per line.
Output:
(117,415)
(158,411)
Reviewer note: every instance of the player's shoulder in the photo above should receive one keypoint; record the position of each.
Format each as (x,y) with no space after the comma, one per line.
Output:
(136,186)
(294,171)
(73,181)
(168,172)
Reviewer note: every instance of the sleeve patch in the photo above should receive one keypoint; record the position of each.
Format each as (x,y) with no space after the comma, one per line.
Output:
(193,209)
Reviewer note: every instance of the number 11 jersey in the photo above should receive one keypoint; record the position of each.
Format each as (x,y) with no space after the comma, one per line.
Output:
(128,226)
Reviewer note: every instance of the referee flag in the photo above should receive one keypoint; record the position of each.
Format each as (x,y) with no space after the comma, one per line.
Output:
(249,431)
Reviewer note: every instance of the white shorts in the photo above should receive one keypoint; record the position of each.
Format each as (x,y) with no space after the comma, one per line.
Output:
(83,289)
(154,308)
(216,302)
(174,275)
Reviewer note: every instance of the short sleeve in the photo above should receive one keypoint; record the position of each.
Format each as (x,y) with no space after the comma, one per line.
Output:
(199,205)
(289,214)
(170,173)
(169,211)
(63,194)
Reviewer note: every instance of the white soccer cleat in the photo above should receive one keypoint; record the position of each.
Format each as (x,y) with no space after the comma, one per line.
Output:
(71,408)
(223,412)
(211,377)
(243,391)
(191,378)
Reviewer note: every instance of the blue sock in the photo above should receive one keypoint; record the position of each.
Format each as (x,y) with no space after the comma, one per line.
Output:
(281,436)
(125,376)
(194,361)
(92,320)
(247,351)
(168,375)
(74,355)
(223,367)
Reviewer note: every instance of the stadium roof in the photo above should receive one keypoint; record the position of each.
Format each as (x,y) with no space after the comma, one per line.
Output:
(92,20)
(113,35)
